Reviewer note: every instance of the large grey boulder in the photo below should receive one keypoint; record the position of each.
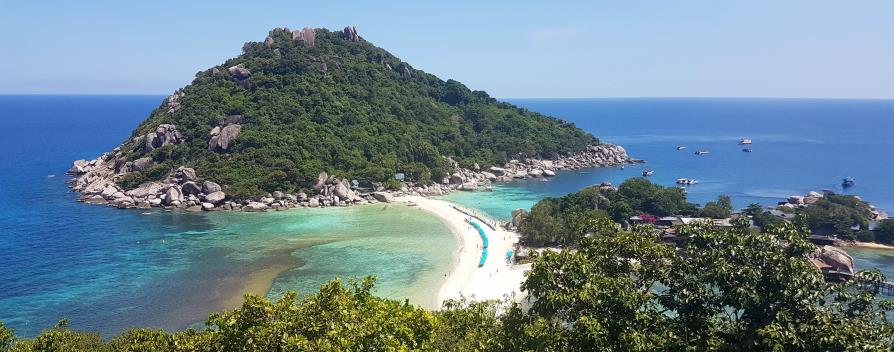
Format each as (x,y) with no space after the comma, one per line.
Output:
(191,188)
(140,164)
(147,189)
(313,202)
(350,33)
(456,179)
(383,197)
(215,197)
(78,167)
(173,194)
(255,206)
(321,181)
(164,135)
(209,187)
(185,174)
(306,35)
(277,195)
(343,191)
(221,138)
(108,191)
(239,72)
(469,186)
(499,171)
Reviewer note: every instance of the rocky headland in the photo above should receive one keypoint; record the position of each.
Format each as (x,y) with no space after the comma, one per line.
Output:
(315,118)
(97,180)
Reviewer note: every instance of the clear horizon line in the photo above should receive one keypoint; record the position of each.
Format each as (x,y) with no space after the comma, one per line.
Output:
(515,98)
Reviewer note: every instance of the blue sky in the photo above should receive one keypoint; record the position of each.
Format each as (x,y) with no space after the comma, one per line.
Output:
(514,49)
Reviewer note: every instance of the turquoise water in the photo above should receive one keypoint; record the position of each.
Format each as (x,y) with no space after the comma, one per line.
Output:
(108,269)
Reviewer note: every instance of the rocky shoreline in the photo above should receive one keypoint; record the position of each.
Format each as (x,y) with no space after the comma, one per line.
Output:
(97,182)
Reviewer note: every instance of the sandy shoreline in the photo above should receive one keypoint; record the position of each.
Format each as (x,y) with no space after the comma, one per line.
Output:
(496,279)
(872,245)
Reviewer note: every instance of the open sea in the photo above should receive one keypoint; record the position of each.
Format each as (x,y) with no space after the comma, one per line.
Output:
(107,269)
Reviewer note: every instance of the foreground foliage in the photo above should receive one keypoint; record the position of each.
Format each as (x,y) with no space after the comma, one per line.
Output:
(723,289)
(348,108)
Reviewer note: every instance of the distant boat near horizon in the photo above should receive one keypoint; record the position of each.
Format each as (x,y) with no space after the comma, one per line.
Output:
(681,147)
(744,141)
(702,152)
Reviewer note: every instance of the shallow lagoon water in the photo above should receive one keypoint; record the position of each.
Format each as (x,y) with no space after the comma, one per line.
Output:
(108,269)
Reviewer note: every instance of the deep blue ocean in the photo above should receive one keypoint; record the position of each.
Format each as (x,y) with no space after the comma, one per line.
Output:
(108,269)
(800,145)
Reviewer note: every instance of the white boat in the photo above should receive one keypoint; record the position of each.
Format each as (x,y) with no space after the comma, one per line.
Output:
(686,181)
(744,141)
(681,147)
(702,152)
(648,173)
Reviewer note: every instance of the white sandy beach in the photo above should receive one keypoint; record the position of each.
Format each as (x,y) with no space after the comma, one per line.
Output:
(496,279)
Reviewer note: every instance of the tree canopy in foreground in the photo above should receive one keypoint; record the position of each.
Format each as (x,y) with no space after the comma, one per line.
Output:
(729,289)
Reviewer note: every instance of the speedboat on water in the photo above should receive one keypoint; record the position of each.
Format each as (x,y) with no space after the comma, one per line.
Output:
(702,152)
(681,147)
(648,173)
(744,141)
(848,182)
(686,181)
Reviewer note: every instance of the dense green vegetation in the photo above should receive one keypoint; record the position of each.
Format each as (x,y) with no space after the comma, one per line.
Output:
(558,221)
(720,209)
(726,289)
(761,217)
(348,108)
(884,232)
(837,214)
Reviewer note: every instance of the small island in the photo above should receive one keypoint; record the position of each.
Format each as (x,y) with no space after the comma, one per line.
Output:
(313,117)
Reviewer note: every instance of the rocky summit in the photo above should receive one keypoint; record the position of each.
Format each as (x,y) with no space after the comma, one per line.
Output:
(313,117)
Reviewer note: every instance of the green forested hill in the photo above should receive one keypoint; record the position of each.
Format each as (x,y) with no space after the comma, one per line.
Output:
(331,101)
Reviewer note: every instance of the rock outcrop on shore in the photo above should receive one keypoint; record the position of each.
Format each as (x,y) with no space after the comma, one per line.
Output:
(97,181)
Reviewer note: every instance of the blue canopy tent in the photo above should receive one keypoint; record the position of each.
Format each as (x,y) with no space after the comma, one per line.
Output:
(484,242)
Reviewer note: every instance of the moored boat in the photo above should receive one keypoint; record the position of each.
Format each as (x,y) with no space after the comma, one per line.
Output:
(686,181)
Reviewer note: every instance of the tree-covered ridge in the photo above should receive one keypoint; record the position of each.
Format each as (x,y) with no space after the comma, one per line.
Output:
(725,289)
(340,105)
